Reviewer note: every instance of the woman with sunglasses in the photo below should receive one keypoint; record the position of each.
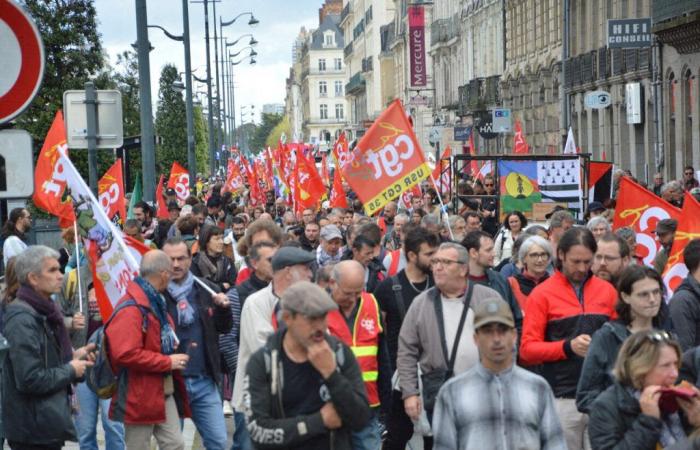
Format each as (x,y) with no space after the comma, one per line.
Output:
(629,414)
(640,306)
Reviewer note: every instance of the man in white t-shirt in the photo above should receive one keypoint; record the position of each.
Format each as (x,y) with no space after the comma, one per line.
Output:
(19,222)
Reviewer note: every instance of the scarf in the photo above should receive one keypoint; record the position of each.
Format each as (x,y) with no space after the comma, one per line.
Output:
(168,340)
(50,310)
(324,258)
(181,293)
(212,268)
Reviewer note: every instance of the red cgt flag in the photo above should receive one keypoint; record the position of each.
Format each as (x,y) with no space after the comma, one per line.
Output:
(688,229)
(49,175)
(161,207)
(338,198)
(641,209)
(519,142)
(387,161)
(441,173)
(180,181)
(234,183)
(309,188)
(110,193)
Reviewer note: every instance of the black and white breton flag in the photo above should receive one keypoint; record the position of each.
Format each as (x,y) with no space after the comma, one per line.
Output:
(560,181)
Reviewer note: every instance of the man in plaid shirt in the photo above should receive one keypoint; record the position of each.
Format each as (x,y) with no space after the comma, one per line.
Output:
(496,404)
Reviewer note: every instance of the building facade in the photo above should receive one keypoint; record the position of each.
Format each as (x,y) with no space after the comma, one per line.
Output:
(293,102)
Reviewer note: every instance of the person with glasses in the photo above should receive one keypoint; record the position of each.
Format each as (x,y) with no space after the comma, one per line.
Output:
(431,336)
(685,303)
(560,316)
(689,180)
(612,256)
(535,256)
(640,307)
(630,414)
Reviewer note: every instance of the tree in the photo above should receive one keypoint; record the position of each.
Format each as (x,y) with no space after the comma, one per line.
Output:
(257,140)
(73,56)
(275,135)
(201,139)
(171,122)
(126,77)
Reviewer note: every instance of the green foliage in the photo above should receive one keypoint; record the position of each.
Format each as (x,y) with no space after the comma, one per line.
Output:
(126,78)
(201,139)
(281,128)
(73,56)
(171,122)
(257,141)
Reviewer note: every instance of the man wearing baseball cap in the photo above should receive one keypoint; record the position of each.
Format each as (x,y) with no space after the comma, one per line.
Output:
(665,232)
(496,399)
(304,388)
(329,251)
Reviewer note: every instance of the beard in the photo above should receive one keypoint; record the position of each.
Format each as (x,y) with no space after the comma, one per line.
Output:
(424,268)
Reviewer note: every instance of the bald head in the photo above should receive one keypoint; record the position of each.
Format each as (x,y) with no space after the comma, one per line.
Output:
(347,283)
(390,210)
(156,268)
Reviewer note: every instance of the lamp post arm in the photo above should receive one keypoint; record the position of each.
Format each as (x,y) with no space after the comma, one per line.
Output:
(174,37)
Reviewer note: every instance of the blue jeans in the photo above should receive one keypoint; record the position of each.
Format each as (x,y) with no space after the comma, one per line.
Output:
(368,438)
(89,405)
(207,413)
(241,438)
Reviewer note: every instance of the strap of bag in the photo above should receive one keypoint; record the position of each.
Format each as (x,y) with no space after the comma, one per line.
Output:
(396,287)
(441,325)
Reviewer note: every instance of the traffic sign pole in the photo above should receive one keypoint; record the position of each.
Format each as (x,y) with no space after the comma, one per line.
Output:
(91,115)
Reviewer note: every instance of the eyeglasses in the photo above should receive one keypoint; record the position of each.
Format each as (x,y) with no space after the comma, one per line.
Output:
(488,184)
(689,173)
(444,262)
(606,258)
(543,255)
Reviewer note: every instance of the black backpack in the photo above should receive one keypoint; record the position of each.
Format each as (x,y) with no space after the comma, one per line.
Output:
(100,378)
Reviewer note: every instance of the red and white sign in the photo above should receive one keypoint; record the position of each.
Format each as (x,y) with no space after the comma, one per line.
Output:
(22,56)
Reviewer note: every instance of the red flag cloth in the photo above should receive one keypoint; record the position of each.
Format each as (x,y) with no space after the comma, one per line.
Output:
(234,182)
(325,176)
(405,199)
(642,210)
(473,166)
(110,193)
(309,187)
(341,154)
(180,181)
(338,197)
(49,175)
(161,207)
(441,173)
(387,161)
(519,142)
(688,229)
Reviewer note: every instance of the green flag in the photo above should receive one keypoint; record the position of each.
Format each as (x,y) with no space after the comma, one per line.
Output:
(136,196)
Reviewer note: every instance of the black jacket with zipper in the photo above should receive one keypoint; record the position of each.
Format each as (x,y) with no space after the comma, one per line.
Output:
(268,425)
(36,383)
(685,313)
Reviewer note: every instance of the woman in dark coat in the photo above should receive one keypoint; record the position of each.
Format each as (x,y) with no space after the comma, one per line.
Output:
(640,306)
(210,262)
(629,415)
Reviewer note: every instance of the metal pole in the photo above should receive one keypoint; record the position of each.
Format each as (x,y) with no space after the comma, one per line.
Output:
(659,152)
(191,157)
(218,90)
(148,157)
(210,115)
(565,112)
(91,111)
(233,99)
(222,91)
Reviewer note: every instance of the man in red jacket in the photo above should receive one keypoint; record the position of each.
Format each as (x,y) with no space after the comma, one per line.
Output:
(151,395)
(561,315)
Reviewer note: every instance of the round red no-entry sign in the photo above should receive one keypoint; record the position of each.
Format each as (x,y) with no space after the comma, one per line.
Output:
(22,56)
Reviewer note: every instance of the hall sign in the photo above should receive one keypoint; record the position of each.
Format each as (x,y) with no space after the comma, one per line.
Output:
(629,33)
(416,31)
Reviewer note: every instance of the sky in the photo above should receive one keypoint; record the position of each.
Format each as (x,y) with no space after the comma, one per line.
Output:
(280,21)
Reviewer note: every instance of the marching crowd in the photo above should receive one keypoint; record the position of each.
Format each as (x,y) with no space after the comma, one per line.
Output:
(329,329)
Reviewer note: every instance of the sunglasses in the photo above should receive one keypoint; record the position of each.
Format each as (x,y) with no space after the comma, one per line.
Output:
(653,336)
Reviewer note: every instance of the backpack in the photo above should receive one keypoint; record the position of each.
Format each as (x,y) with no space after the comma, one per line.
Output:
(100,378)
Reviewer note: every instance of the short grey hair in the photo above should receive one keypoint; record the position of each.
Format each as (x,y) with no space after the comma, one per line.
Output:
(454,219)
(674,185)
(538,241)
(558,219)
(154,262)
(32,261)
(430,219)
(626,233)
(462,253)
(401,217)
(596,221)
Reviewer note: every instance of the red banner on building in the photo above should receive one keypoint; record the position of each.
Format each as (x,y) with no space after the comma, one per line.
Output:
(416,43)
(387,161)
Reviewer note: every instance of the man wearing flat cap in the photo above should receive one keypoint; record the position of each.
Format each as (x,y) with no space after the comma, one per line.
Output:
(304,389)
(290,265)
(665,232)
(496,404)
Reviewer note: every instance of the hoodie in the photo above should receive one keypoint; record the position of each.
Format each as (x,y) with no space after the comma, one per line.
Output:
(685,312)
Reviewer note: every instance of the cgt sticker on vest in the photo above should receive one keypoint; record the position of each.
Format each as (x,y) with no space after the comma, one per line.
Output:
(368,324)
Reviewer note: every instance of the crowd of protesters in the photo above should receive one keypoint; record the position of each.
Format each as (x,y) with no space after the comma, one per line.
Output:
(325,328)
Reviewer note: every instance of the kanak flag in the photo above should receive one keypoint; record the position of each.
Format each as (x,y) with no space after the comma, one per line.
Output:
(688,229)
(519,143)
(49,175)
(161,207)
(309,187)
(110,193)
(180,181)
(442,176)
(642,210)
(387,161)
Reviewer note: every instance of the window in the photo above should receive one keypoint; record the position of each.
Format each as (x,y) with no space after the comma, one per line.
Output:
(338,64)
(322,88)
(322,65)
(338,88)
(324,111)
(328,39)
(339,112)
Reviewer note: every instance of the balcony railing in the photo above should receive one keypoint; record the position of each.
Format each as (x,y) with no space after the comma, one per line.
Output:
(356,84)
(345,13)
(367,64)
(443,30)
(347,50)
(662,10)
(605,63)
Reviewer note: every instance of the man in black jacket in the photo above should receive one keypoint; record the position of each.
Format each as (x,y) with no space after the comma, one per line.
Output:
(41,364)
(260,259)
(685,303)
(333,402)
(200,315)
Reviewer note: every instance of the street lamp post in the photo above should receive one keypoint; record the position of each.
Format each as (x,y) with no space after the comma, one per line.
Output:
(229,119)
(250,56)
(148,157)
(210,116)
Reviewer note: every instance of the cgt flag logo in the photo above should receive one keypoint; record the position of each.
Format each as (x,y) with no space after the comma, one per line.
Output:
(387,161)
(180,181)
(688,229)
(110,193)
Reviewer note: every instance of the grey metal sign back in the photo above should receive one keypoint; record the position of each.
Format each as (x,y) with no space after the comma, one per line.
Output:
(110,128)
(18,167)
